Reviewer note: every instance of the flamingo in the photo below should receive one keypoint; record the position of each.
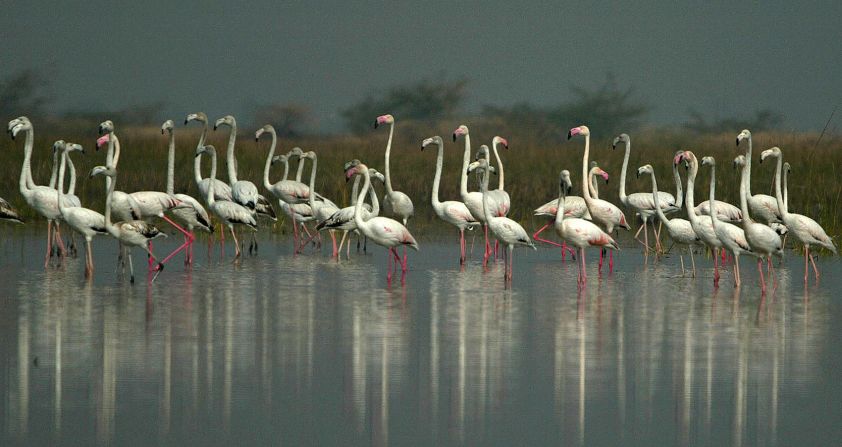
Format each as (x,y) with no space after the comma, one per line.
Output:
(132,233)
(574,207)
(229,213)
(221,189)
(762,239)
(642,203)
(384,231)
(579,232)
(343,219)
(602,211)
(803,229)
(762,206)
(733,238)
(451,211)
(504,229)
(298,212)
(9,213)
(41,198)
(680,230)
(83,220)
(191,214)
(322,210)
(473,200)
(395,203)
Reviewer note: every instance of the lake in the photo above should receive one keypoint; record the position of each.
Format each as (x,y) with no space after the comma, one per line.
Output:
(276,349)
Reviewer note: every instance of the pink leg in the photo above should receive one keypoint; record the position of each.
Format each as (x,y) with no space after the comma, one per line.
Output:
(540,239)
(461,247)
(610,261)
(294,236)
(149,258)
(806,266)
(715,270)
(49,243)
(403,266)
(236,244)
(389,263)
(815,269)
(62,251)
(762,280)
(189,238)
(487,248)
(333,240)
(496,247)
(601,254)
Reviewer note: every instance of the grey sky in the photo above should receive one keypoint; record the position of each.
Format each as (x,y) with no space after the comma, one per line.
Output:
(719,58)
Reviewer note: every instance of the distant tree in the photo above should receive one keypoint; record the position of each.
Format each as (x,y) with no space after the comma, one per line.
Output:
(425,100)
(290,120)
(764,119)
(25,92)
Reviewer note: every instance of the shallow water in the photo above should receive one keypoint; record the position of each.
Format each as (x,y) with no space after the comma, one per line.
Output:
(276,349)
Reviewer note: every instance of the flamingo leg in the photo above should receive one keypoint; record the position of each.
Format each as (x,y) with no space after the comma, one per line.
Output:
(772,274)
(737,281)
(540,239)
(294,236)
(806,267)
(681,258)
(389,262)
(149,250)
(511,262)
(461,246)
(342,242)
(188,239)
(131,267)
(610,261)
(646,236)
(715,269)
(49,243)
(815,269)
(659,247)
(59,241)
(403,266)
(236,243)
(333,240)
(89,260)
(762,280)
(601,255)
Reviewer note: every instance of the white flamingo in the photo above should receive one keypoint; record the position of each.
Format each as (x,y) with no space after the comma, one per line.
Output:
(451,211)
(578,232)
(344,218)
(299,213)
(8,212)
(384,231)
(762,239)
(680,230)
(504,229)
(83,220)
(642,203)
(803,229)
(395,203)
(473,200)
(763,207)
(322,209)
(574,207)
(221,189)
(602,212)
(191,213)
(733,238)
(229,213)
(40,198)
(132,233)
(499,197)
(243,192)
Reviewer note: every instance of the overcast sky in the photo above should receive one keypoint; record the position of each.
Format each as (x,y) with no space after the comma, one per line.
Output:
(721,58)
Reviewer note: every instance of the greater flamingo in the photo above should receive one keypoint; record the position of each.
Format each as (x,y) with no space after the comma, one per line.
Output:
(733,238)
(451,211)
(132,233)
(221,189)
(395,203)
(642,203)
(680,230)
(322,210)
(803,229)
(504,229)
(229,213)
(343,219)
(763,207)
(578,232)
(83,220)
(762,239)
(603,212)
(473,200)
(574,207)
(384,231)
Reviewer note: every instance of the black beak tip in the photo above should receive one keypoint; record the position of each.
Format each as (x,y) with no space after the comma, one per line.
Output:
(738,141)
(162,131)
(454,136)
(569,135)
(376,124)
(214,127)
(185,121)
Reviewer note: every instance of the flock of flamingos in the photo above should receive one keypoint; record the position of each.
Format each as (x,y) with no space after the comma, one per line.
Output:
(754,228)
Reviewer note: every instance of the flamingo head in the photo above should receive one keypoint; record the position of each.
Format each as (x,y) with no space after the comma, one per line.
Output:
(686,156)
(206,149)
(226,120)
(622,138)
(59,146)
(432,140)
(771,152)
(262,130)
(376,175)
(460,131)
(645,169)
(167,126)
(500,140)
(744,135)
(598,171)
(103,170)
(482,152)
(295,152)
(564,181)
(105,127)
(708,161)
(383,119)
(198,116)
(18,124)
(787,167)
(739,161)
(71,147)
(581,130)
(309,154)
(280,158)
(353,168)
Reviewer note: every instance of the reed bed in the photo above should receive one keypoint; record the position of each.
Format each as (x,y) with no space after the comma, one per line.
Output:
(531,166)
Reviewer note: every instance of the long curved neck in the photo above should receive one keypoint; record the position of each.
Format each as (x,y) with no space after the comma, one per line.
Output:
(358,208)
(679,194)
(197,162)
(286,169)
(60,188)
(689,203)
(778,198)
(300,171)
(355,189)
(54,173)
(112,156)
(108,198)
(437,178)
(658,210)
(559,215)
(501,180)
(26,182)
(266,183)
(486,211)
(743,196)
(466,159)
(232,162)
(313,183)
(171,165)
(748,167)
(375,204)
(786,195)
(593,187)
(388,151)
(623,197)
(211,190)
(713,218)
(71,188)
(585,192)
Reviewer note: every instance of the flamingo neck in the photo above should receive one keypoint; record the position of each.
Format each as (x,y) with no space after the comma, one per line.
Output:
(501,179)
(781,206)
(300,171)
(748,167)
(313,183)
(689,203)
(71,168)
(286,170)
(486,210)
(60,188)
(171,165)
(713,218)
(679,194)
(355,189)
(266,183)
(786,195)
(624,199)
(26,183)
(658,210)
(54,173)
(197,170)
(559,215)
(111,228)
(212,182)
(375,204)
(466,159)
(743,196)
(593,188)
(585,192)
(437,178)
(388,151)
(358,208)
(232,162)
(112,157)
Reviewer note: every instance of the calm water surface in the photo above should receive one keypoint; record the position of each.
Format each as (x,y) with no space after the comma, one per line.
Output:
(277,350)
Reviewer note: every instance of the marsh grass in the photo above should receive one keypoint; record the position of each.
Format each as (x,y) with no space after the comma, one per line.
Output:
(531,166)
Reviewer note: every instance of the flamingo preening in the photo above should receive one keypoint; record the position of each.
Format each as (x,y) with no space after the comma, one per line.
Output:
(384,231)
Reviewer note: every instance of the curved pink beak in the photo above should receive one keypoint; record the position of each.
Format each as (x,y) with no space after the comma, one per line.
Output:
(574,131)
(101,141)
(678,158)
(604,175)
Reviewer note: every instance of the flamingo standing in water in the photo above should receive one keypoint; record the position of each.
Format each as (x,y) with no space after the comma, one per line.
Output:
(574,207)
(642,203)
(602,211)
(229,213)
(680,230)
(343,219)
(395,203)
(384,231)
(451,211)
(803,229)
(762,239)
(83,220)
(762,206)
(579,232)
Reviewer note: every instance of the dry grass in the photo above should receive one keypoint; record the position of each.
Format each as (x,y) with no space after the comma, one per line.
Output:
(531,166)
